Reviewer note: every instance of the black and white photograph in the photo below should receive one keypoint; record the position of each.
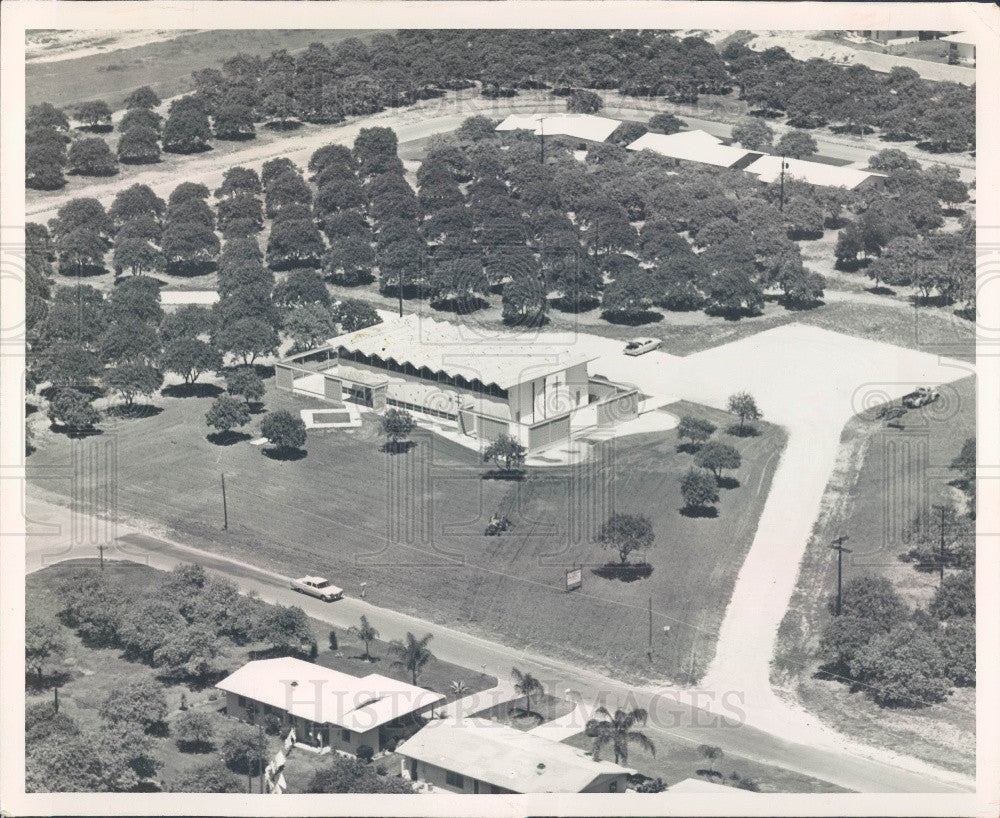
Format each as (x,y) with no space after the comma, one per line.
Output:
(487,410)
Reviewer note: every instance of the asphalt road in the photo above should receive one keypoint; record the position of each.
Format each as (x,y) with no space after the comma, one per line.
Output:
(62,534)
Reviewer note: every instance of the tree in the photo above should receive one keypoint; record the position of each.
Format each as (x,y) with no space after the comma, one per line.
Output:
(85,213)
(397,425)
(584,102)
(45,159)
(903,667)
(247,338)
(80,251)
(189,357)
(131,379)
(301,287)
(194,731)
(666,123)
(965,461)
(91,156)
(870,606)
(287,188)
(139,146)
(189,247)
(412,653)
(626,533)
(283,430)
(244,382)
(957,643)
(234,121)
(144,97)
(955,597)
(506,450)
(618,731)
(711,754)
(73,410)
(46,115)
(95,113)
(695,429)
(796,144)
(753,134)
(142,703)
(137,256)
(208,777)
(349,775)
(744,406)
(140,118)
(188,321)
(133,202)
(186,131)
(699,488)
(310,325)
(892,159)
(244,749)
(239,180)
(716,456)
(227,413)
(526,685)
(367,633)
(43,643)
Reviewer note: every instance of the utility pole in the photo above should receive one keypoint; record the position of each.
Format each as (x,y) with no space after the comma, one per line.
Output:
(55,696)
(838,546)
(541,125)
(400,289)
(260,757)
(100,548)
(940,507)
(225,507)
(781,201)
(649,651)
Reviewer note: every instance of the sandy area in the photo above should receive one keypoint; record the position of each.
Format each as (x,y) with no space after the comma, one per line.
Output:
(50,45)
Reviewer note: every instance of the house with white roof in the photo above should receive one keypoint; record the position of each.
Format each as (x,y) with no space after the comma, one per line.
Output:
(479,756)
(481,387)
(768,169)
(963,46)
(326,708)
(692,146)
(581,126)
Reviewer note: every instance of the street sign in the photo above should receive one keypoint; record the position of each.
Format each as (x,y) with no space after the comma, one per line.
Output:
(574,579)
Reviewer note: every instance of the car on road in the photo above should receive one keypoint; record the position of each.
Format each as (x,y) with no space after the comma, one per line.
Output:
(920,397)
(318,587)
(640,346)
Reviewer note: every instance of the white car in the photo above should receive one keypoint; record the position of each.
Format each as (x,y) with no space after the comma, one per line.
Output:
(317,587)
(640,346)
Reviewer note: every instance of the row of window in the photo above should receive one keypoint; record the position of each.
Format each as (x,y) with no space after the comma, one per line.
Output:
(402,404)
(424,373)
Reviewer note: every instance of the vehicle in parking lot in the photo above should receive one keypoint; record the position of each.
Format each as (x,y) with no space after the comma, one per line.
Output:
(318,587)
(920,397)
(640,346)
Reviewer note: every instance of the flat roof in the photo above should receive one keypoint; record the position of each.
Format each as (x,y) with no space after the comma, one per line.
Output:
(699,785)
(508,758)
(768,169)
(693,146)
(327,696)
(474,353)
(582,126)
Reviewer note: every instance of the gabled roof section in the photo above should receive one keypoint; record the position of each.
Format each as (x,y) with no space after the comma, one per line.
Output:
(768,169)
(692,146)
(581,126)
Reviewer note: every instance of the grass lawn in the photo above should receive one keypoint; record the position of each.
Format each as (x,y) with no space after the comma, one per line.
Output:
(411,526)
(677,760)
(436,674)
(166,66)
(544,708)
(883,478)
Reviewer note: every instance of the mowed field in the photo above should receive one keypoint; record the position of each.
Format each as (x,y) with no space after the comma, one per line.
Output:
(411,526)
(165,66)
(883,478)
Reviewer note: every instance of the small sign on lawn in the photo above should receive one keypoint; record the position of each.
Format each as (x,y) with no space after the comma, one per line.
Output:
(574,579)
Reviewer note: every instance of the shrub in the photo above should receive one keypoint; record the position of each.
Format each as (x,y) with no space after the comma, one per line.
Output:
(365,753)
(194,732)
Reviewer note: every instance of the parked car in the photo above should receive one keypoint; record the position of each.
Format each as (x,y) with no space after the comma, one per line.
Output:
(640,346)
(920,397)
(318,587)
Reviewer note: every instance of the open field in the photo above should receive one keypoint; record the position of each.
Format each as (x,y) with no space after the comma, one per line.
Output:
(882,479)
(411,526)
(677,759)
(165,65)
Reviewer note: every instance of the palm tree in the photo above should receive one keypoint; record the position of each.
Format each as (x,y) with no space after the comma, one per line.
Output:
(617,731)
(413,653)
(367,634)
(526,684)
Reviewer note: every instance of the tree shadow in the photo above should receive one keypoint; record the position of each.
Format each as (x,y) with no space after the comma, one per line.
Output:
(727,482)
(256,407)
(966,313)
(851,265)
(226,438)
(931,300)
(689,447)
(531,321)
(192,390)
(158,729)
(195,747)
(85,271)
(709,773)
(516,475)
(802,304)
(574,305)
(629,572)
(283,125)
(732,313)
(75,434)
(135,411)
(696,512)
(460,306)
(746,431)
(521,713)
(285,453)
(264,371)
(398,446)
(139,160)
(880,290)
(101,127)
(632,319)
(191,268)
(35,684)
